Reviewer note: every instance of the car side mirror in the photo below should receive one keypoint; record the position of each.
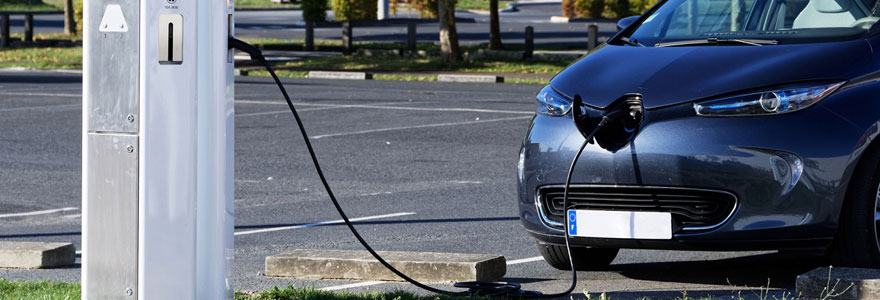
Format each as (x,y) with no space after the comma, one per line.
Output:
(625,22)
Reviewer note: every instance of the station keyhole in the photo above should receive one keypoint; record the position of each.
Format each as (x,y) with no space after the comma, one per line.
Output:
(171,41)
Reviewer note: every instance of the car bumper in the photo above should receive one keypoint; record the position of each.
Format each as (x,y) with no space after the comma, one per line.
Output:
(788,174)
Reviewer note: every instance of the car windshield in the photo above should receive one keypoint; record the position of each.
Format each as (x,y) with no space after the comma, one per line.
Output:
(755,22)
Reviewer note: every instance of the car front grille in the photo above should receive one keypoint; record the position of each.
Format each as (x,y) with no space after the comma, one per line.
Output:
(691,209)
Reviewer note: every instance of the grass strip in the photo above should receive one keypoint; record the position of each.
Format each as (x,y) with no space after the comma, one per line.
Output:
(26,5)
(38,290)
(294,293)
(42,58)
(422,64)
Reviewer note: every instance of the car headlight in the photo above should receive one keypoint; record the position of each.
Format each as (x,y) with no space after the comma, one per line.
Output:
(551,103)
(776,101)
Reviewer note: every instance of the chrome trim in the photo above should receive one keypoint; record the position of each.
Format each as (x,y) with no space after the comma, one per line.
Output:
(550,223)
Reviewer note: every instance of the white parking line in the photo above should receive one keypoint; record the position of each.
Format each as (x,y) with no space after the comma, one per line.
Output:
(40,107)
(369,283)
(351,285)
(416,126)
(321,107)
(323,223)
(524,260)
(39,212)
(451,109)
(41,94)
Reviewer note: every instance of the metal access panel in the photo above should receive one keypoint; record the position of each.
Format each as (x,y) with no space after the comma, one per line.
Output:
(112,31)
(112,217)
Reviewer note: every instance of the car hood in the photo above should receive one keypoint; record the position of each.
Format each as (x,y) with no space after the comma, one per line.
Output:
(672,75)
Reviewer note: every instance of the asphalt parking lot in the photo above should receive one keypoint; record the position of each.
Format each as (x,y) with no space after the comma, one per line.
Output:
(430,165)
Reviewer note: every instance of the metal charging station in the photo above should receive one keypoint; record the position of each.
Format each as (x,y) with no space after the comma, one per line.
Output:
(157,149)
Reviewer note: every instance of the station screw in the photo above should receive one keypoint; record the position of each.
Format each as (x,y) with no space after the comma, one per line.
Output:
(130,148)
(130,118)
(129,291)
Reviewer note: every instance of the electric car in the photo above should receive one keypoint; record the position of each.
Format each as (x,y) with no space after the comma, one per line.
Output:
(731,125)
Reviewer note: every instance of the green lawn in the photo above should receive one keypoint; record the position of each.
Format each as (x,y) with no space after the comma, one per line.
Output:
(42,58)
(384,66)
(479,4)
(293,293)
(26,5)
(38,290)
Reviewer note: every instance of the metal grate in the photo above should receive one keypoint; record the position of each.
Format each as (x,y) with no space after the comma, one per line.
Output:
(691,209)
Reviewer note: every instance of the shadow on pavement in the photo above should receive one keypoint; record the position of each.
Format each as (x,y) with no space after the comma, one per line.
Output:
(751,271)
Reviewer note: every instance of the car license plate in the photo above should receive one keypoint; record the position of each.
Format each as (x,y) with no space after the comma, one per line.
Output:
(620,224)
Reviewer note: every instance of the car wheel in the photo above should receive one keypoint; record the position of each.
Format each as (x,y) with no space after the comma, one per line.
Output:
(585,259)
(858,235)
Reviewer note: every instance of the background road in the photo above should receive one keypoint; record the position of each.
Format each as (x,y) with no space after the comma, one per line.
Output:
(440,156)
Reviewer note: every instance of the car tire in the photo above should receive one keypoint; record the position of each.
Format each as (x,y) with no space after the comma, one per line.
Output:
(585,259)
(857,243)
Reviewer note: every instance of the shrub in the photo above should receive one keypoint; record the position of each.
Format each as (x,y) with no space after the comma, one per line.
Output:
(78,14)
(589,8)
(637,7)
(427,8)
(354,10)
(568,8)
(314,10)
(619,9)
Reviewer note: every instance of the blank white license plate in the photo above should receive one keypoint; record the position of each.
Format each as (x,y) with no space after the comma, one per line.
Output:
(620,224)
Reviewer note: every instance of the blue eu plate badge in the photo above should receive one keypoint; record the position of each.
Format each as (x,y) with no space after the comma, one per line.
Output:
(572,222)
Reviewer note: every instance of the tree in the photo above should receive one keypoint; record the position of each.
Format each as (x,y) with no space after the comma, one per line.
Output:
(69,18)
(450,53)
(494,27)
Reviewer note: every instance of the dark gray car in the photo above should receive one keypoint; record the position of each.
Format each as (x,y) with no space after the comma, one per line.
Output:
(758,132)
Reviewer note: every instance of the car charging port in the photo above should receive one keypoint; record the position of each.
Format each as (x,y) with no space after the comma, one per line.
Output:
(621,121)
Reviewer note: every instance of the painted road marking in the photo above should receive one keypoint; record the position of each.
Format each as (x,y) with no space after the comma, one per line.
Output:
(40,107)
(323,223)
(321,107)
(370,283)
(39,212)
(450,109)
(524,260)
(416,126)
(40,94)
(350,285)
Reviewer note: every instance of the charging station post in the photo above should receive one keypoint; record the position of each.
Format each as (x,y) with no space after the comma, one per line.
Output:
(157,150)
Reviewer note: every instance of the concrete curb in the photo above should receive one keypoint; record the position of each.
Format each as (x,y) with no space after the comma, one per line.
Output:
(35,255)
(470,78)
(265,8)
(839,283)
(360,265)
(20,69)
(340,75)
(561,19)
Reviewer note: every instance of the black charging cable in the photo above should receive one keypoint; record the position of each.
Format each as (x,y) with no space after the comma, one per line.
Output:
(475,288)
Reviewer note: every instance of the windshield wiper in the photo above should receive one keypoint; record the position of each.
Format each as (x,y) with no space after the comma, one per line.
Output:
(631,42)
(717,41)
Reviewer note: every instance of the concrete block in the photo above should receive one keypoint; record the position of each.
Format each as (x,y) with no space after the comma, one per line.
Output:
(558,19)
(340,75)
(839,283)
(470,78)
(360,265)
(240,72)
(34,255)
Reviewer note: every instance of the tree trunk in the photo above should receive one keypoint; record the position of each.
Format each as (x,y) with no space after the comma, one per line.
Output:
(69,18)
(494,27)
(450,53)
